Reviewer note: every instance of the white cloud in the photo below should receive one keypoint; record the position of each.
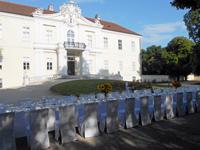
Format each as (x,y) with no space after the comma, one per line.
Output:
(90,1)
(158,33)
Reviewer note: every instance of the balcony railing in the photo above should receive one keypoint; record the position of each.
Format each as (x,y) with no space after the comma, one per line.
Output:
(74,45)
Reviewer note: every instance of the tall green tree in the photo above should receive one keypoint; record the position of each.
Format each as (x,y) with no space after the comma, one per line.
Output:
(152,61)
(192,22)
(178,56)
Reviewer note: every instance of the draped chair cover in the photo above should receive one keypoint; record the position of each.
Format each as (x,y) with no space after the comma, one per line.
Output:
(39,132)
(90,123)
(112,121)
(169,109)
(131,117)
(67,123)
(121,109)
(7,138)
(102,113)
(180,104)
(144,111)
(198,101)
(190,104)
(158,111)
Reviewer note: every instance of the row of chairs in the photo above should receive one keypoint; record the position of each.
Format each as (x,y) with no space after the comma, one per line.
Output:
(92,115)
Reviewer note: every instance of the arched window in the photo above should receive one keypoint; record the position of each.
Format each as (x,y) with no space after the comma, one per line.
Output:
(70,36)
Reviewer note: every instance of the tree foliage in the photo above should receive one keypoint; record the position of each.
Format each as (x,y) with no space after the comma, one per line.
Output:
(186,4)
(174,60)
(196,58)
(192,21)
(178,57)
(152,62)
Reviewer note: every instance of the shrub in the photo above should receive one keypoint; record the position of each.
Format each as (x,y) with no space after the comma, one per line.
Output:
(136,85)
(176,84)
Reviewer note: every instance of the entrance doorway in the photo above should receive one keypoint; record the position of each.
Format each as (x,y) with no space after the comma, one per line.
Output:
(71,68)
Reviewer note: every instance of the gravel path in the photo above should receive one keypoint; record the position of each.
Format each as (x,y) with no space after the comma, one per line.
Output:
(36,91)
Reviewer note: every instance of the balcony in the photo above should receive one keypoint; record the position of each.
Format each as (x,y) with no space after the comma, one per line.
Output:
(74,45)
(74,48)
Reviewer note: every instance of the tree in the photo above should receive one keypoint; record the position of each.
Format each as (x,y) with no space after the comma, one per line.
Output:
(186,4)
(192,22)
(178,57)
(195,59)
(152,61)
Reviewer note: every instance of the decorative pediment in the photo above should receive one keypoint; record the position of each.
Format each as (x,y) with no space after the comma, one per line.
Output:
(71,12)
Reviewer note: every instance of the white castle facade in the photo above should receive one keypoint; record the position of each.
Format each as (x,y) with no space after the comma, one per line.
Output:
(38,44)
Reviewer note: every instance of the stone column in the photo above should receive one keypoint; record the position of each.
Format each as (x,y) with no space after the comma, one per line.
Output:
(62,60)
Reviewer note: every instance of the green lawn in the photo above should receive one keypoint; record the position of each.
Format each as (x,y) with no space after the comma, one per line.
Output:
(160,85)
(78,87)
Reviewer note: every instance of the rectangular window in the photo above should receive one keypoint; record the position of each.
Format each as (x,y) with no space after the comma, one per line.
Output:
(49,65)
(133,45)
(49,33)
(105,42)
(49,36)
(26,33)
(1,31)
(26,65)
(1,84)
(90,41)
(106,65)
(120,44)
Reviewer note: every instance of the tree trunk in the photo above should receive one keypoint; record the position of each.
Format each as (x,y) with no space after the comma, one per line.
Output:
(178,78)
(186,78)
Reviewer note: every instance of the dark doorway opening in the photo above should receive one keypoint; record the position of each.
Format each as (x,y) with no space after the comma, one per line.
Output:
(71,68)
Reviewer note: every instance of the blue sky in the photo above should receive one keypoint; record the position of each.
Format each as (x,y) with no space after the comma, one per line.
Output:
(156,20)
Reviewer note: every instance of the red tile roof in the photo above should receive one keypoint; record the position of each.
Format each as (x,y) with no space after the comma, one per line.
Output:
(19,9)
(113,27)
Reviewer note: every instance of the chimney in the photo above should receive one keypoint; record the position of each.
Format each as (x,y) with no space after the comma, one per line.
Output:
(50,7)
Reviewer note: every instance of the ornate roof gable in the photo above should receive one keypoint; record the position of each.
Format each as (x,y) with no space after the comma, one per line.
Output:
(71,12)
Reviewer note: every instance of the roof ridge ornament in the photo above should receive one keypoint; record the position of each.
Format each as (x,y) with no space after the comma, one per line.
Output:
(38,11)
(98,19)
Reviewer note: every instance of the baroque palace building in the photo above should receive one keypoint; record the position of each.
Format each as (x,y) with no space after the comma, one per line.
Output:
(40,44)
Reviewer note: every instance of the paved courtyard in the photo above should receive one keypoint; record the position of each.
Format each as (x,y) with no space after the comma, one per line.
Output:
(177,134)
(35,91)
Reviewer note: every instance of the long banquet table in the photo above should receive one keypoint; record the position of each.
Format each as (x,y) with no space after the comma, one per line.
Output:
(93,114)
